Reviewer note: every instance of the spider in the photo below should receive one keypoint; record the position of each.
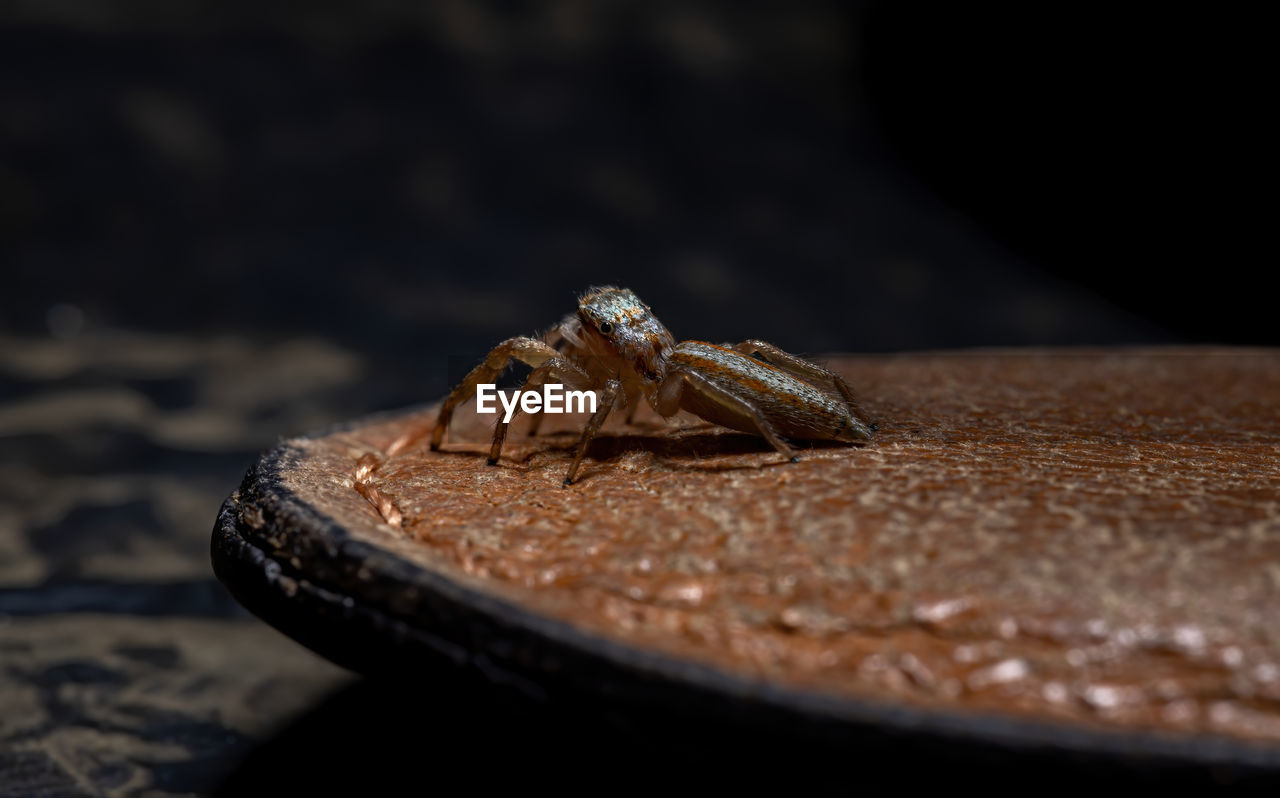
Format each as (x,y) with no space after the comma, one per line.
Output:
(614,345)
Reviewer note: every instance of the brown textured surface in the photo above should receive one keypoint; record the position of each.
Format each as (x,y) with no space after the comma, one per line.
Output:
(1088,537)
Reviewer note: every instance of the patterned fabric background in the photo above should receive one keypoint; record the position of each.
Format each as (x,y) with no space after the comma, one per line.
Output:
(125,666)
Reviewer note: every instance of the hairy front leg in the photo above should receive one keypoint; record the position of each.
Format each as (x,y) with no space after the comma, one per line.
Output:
(608,396)
(558,369)
(529,351)
(631,398)
(806,370)
(554,337)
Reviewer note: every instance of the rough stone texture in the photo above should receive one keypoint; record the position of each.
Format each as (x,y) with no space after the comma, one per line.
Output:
(1088,538)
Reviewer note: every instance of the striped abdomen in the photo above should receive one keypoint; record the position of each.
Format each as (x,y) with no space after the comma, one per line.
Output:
(793,407)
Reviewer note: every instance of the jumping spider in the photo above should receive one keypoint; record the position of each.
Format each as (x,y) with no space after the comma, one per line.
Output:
(615,345)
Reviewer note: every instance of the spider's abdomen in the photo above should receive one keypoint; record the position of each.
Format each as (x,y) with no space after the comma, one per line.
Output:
(793,407)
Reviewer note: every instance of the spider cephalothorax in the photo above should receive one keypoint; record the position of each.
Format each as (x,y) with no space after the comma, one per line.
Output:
(612,324)
(615,345)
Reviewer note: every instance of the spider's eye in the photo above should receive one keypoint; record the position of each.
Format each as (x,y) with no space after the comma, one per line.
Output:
(606,327)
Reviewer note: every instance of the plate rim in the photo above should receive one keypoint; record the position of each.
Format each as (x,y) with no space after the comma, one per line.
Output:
(267,585)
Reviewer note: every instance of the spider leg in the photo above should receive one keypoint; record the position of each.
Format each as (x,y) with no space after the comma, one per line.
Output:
(672,391)
(631,398)
(608,396)
(529,351)
(554,337)
(805,370)
(558,368)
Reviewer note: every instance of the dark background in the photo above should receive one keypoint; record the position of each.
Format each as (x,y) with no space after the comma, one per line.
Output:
(416,179)
(221,223)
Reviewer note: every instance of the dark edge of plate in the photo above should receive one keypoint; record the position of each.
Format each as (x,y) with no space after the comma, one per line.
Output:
(301,572)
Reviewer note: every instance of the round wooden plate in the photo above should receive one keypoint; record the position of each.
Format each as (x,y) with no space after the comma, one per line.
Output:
(1040,554)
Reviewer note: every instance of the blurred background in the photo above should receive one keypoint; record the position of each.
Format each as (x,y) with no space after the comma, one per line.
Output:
(222,223)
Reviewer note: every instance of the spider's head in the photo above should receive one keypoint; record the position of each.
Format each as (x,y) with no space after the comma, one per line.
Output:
(615,323)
